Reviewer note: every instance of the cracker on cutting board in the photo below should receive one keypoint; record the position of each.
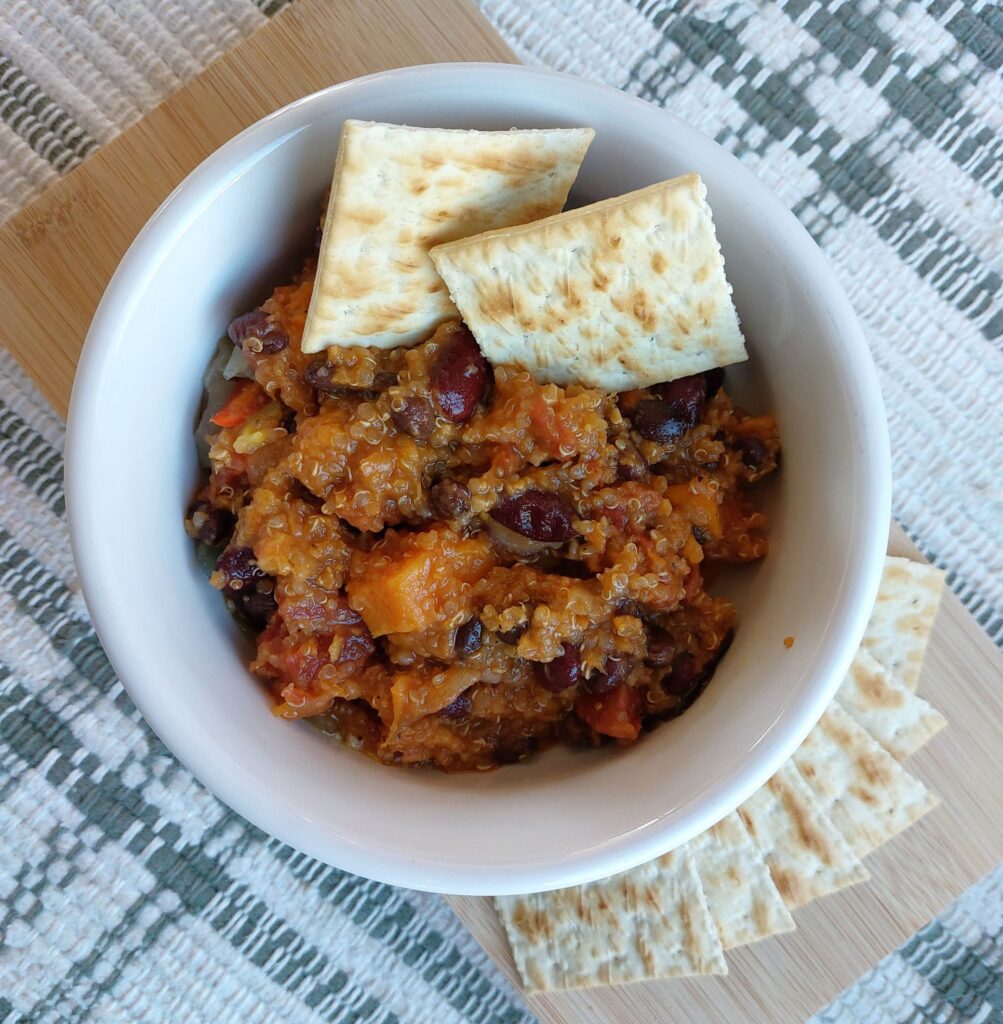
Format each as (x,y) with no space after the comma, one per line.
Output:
(398,191)
(865,792)
(805,852)
(649,923)
(744,901)
(903,615)
(625,293)
(900,720)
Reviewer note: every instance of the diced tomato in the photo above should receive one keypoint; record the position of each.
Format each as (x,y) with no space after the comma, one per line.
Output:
(616,714)
(245,400)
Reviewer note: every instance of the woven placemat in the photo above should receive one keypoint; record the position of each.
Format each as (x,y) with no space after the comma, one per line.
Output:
(128,893)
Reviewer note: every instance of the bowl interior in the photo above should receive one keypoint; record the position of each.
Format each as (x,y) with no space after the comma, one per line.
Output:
(237,227)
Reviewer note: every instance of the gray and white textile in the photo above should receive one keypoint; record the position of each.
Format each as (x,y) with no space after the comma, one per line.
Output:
(127,892)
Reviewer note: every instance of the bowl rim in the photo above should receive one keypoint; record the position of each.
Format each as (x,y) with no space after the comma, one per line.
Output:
(402,867)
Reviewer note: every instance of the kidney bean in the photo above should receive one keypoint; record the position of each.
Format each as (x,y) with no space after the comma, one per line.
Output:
(414,417)
(239,568)
(210,525)
(459,376)
(251,590)
(686,395)
(538,515)
(469,637)
(449,499)
(657,420)
(564,671)
(257,332)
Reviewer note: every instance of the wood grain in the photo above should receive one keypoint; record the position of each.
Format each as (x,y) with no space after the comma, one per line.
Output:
(785,979)
(57,255)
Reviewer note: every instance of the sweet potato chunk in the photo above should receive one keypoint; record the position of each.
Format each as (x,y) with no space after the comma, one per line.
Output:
(698,501)
(413,581)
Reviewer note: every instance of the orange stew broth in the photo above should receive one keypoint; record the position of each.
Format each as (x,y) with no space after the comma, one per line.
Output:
(449,564)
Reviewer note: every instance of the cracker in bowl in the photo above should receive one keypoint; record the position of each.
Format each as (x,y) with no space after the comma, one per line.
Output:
(622,294)
(398,191)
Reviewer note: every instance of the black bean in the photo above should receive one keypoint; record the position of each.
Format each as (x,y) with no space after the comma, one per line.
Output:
(449,499)
(714,380)
(657,420)
(564,671)
(538,515)
(469,637)
(753,452)
(414,417)
(662,648)
(686,683)
(511,636)
(257,332)
(458,707)
(357,647)
(682,675)
(615,671)
(630,464)
(256,606)
(318,375)
(627,606)
(212,526)
(459,376)
(514,750)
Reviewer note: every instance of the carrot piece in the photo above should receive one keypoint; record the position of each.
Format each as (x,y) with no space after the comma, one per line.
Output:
(616,714)
(245,399)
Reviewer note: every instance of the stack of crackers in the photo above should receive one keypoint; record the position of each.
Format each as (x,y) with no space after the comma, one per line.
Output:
(803,835)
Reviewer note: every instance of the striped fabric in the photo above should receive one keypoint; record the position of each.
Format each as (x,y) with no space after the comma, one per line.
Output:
(127,892)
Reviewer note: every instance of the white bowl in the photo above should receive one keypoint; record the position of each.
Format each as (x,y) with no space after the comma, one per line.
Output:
(215,248)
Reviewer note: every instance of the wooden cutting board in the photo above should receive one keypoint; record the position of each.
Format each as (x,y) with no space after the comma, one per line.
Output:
(56,257)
